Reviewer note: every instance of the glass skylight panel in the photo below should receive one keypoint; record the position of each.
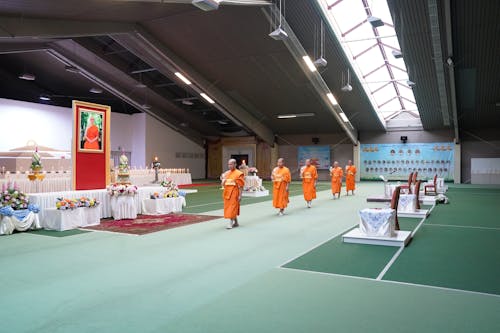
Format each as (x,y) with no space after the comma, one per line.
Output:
(384,78)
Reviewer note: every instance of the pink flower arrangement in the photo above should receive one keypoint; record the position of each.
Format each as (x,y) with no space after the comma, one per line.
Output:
(120,189)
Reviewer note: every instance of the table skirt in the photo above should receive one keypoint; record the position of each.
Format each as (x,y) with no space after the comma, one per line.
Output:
(377,222)
(163,206)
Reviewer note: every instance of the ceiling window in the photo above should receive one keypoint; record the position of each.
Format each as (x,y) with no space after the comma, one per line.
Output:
(366,33)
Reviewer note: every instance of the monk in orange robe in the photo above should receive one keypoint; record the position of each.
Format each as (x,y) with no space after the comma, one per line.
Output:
(91,136)
(336,173)
(350,174)
(281,178)
(233,181)
(309,176)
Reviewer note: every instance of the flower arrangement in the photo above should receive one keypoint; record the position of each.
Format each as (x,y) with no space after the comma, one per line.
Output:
(121,189)
(166,194)
(169,185)
(12,197)
(36,164)
(64,204)
(252,170)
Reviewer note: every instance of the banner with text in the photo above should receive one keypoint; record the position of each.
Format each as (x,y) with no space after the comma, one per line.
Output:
(319,156)
(396,161)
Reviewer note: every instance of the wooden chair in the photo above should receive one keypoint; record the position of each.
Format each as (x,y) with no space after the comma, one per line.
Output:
(431,188)
(417,193)
(407,187)
(414,179)
(394,205)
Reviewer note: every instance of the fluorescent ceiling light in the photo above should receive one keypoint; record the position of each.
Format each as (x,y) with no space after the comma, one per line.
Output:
(344,117)
(183,78)
(205,96)
(140,85)
(309,63)
(332,99)
(45,97)
(27,76)
(295,115)
(146,106)
(95,90)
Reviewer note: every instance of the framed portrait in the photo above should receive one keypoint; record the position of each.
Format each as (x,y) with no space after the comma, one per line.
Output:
(91,126)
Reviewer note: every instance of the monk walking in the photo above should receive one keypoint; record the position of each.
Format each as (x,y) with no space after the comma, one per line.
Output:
(233,182)
(350,174)
(281,178)
(336,174)
(309,176)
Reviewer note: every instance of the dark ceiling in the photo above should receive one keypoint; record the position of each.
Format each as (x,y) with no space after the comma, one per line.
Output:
(254,76)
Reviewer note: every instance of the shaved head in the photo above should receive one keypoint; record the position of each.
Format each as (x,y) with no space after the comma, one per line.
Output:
(231,164)
(349,162)
(281,162)
(308,162)
(335,164)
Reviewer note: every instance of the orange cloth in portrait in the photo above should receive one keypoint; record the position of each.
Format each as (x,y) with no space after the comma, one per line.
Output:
(336,174)
(92,133)
(232,184)
(309,175)
(350,173)
(281,178)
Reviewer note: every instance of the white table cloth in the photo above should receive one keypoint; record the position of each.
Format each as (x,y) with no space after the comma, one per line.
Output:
(10,223)
(123,207)
(61,220)
(253,182)
(377,222)
(163,206)
(407,203)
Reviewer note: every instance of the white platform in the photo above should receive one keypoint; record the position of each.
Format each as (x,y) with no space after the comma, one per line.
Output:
(356,236)
(255,194)
(428,199)
(419,213)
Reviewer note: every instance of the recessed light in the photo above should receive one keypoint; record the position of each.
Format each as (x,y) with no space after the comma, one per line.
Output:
(141,85)
(222,122)
(95,90)
(72,69)
(27,76)
(187,102)
(332,99)
(183,78)
(44,97)
(309,63)
(344,117)
(295,115)
(207,98)
(146,106)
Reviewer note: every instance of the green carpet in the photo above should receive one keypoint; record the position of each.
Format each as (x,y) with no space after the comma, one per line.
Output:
(350,259)
(298,302)
(54,233)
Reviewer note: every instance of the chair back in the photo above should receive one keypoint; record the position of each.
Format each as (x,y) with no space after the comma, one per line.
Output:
(435,179)
(417,192)
(415,175)
(410,178)
(394,205)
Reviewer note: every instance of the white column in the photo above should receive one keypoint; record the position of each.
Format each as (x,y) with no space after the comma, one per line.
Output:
(458,159)
(356,158)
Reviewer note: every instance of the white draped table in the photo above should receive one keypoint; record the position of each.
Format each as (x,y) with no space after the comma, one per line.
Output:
(377,222)
(123,207)
(163,205)
(407,203)
(48,200)
(61,220)
(10,223)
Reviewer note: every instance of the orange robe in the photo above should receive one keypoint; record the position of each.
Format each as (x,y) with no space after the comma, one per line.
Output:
(234,180)
(92,133)
(309,175)
(350,173)
(281,177)
(336,174)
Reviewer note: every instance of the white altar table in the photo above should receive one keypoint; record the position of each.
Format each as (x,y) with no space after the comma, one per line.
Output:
(377,222)
(61,220)
(123,207)
(163,205)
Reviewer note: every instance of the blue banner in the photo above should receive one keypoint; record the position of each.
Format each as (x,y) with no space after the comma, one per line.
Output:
(319,156)
(396,161)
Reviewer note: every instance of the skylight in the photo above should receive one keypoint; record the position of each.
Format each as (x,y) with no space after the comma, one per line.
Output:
(370,51)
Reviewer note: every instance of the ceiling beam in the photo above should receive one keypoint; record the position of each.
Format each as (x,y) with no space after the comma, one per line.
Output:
(451,68)
(320,87)
(158,55)
(119,84)
(22,27)
(21,47)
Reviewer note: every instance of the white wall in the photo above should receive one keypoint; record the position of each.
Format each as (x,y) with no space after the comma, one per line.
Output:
(164,142)
(47,125)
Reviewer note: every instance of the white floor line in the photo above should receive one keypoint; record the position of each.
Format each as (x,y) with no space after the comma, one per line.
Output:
(460,226)
(418,226)
(393,282)
(389,264)
(317,245)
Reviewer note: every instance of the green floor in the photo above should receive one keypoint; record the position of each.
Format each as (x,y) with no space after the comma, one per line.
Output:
(203,278)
